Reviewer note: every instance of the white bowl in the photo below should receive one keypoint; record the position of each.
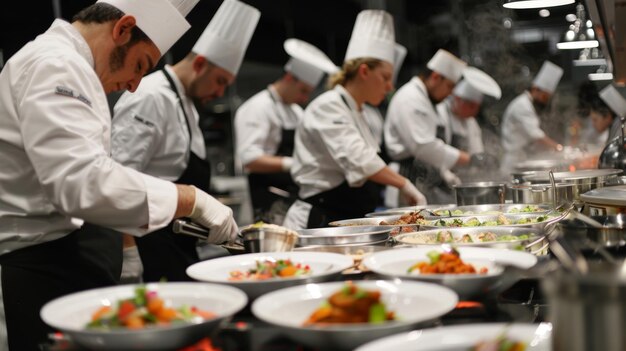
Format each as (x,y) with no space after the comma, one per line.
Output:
(414,304)
(324,266)
(71,313)
(395,264)
(464,337)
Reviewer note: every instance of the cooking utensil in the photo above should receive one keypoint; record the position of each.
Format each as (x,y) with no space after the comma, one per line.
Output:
(611,233)
(480,193)
(181,226)
(395,264)
(588,311)
(356,252)
(71,313)
(357,235)
(605,201)
(415,304)
(464,337)
(268,238)
(535,242)
(543,193)
(324,266)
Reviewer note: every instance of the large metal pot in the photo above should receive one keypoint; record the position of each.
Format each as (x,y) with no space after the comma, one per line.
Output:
(612,234)
(588,311)
(584,180)
(480,193)
(543,193)
(605,201)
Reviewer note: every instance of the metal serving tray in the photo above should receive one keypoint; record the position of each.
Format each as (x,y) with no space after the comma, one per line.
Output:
(365,235)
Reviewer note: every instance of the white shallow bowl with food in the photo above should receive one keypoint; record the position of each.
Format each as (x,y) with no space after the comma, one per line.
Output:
(324,266)
(463,337)
(415,304)
(395,264)
(71,313)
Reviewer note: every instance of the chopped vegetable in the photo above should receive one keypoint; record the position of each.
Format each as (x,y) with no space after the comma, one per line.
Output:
(445,263)
(269,269)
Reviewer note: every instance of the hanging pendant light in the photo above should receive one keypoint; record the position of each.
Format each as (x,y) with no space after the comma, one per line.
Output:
(534,4)
(580,34)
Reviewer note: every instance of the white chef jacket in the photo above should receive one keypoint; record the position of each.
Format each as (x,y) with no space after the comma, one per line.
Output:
(259,123)
(149,131)
(466,128)
(375,121)
(520,128)
(411,128)
(333,144)
(55,128)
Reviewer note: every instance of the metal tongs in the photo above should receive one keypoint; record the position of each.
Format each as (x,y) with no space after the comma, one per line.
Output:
(186,227)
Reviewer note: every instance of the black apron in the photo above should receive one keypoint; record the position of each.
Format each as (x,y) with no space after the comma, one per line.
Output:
(87,258)
(424,175)
(460,142)
(259,183)
(164,254)
(343,201)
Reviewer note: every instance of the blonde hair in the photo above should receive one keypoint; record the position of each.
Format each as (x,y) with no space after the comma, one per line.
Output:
(350,69)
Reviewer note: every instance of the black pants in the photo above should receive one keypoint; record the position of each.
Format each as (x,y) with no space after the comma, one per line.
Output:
(88,258)
(166,255)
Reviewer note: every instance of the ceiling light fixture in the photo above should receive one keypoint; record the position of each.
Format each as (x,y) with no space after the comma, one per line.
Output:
(570,17)
(580,34)
(534,4)
(600,76)
(544,13)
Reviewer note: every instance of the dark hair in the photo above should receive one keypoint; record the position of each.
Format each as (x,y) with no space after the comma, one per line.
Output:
(598,105)
(102,13)
(350,69)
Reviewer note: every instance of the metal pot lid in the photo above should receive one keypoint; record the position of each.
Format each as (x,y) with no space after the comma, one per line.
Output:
(581,174)
(481,185)
(610,195)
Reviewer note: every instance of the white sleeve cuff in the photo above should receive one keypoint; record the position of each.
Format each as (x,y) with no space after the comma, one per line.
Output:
(162,203)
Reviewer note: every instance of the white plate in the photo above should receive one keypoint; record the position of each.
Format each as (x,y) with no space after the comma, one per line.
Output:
(324,266)
(395,263)
(71,313)
(463,337)
(414,304)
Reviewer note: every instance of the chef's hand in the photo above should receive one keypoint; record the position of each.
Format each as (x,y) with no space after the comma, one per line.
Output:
(412,194)
(209,212)
(449,177)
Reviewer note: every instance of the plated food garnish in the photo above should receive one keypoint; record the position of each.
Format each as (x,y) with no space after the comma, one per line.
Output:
(145,309)
(502,343)
(351,304)
(445,263)
(445,236)
(268,269)
(409,218)
(499,220)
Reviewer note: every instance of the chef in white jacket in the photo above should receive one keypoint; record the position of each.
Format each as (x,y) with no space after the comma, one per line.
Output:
(156,129)
(608,113)
(458,111)
(336,159)
(371,113)
(416,136)
(57,175)
(521,125)
(265,128)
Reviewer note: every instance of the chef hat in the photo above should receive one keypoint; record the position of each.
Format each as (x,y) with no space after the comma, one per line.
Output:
(398,58)
(307,62)
(475,84)
(447,65)
(163,21)
(548,77)
(226,38)
(614,100)
(372,36)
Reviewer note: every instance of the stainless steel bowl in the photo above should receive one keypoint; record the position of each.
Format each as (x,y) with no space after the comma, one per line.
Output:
(487,209)
(376,221)
(363,235)
(266,238)
(612,234)
(544,193)
(408,209)
(480,193)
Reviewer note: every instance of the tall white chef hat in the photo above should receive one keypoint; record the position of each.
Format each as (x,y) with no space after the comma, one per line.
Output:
(226,38)
(548,77)
(398,58)
(475,85)
(307,62)
(614,100)
(373,36)
(163,21)
(447,65)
